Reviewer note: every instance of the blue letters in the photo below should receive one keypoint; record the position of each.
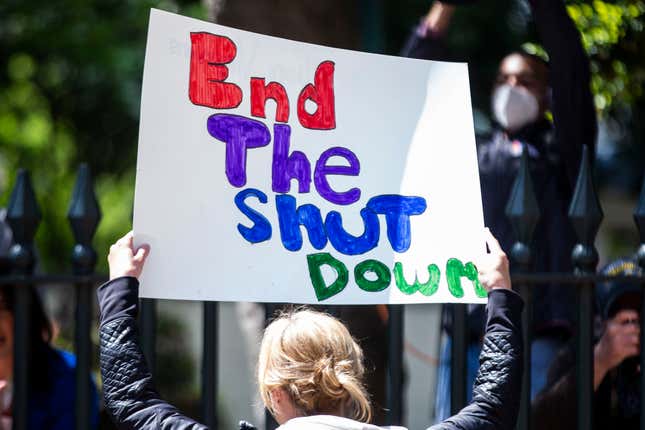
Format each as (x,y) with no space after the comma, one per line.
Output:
(261,229)
(290,219)
(346,243)
(397,210)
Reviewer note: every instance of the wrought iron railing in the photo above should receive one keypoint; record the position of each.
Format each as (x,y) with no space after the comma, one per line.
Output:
(23,215)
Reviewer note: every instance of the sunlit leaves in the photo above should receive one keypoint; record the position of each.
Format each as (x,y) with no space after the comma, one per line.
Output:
(21,67)
(70,83)
(610,34)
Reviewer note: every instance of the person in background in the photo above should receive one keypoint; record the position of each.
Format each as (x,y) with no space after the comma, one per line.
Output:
(51,371)
(52,385)
(526,88)
(310,369)
(616,363)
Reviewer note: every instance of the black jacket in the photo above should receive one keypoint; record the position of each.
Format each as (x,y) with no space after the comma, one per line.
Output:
(554,155)
(616,402)
(133,402)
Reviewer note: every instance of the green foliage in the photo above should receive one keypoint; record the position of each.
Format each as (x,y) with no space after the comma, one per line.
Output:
(70,83)
(612,34)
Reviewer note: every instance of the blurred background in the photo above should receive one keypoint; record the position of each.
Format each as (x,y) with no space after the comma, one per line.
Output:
(70,84)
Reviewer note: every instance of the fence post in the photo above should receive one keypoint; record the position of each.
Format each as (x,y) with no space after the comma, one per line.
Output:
(84,215)
(394,388)
(523,212)
(209,366)
(458,350)
(586,215)
(148,330)
(372,14)
(639,218)
(23,216)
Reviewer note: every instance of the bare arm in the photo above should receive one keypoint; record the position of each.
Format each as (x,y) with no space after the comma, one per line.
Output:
(438,18)
(425,41)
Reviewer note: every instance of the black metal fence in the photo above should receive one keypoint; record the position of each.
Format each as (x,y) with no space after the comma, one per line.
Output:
(23,216)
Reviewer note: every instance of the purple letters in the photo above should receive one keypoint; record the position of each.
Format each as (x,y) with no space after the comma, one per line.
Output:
(287,166)
(239,133)
(322,170)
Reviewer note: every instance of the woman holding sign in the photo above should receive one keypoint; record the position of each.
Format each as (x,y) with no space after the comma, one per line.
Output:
(310,369)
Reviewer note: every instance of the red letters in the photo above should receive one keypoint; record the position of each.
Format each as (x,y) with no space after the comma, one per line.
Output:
(207,72)
(273,90)
(207,85)
(322,93)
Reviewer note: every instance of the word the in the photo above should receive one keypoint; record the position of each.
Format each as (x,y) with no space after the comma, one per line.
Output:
(241,134)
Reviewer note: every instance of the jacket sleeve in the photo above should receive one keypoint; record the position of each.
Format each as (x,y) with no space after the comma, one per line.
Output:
(428,47)
(130,396)
(574,114)
(555,407)
(496,393)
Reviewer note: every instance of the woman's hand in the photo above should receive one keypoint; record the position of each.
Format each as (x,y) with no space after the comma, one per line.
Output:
(124,260)
(437,20)
(620,340)
(493,267)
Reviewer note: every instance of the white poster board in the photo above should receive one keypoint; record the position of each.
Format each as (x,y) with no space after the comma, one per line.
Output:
(278,171)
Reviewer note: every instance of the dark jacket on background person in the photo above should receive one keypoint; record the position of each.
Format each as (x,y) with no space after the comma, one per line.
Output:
(51,402)
(133,402)
(554,155)
(616,401)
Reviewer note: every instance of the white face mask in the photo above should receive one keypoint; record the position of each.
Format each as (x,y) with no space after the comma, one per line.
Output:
(514,107)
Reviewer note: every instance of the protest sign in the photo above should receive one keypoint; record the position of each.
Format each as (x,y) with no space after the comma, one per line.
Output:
(278,171)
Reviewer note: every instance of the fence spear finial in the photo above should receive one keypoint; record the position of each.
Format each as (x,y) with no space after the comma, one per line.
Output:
(84,215)
(585,213)
(523,211)
(23,216)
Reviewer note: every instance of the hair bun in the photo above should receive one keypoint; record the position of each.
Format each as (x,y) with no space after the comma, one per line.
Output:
(327,376)
(314,358)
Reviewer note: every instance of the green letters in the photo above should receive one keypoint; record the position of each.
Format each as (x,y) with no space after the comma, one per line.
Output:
(427,288)
(455,269)
(323,292)
(382,272)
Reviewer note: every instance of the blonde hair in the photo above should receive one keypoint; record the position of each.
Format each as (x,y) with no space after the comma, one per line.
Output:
(312,356)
